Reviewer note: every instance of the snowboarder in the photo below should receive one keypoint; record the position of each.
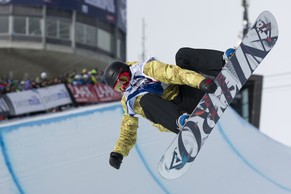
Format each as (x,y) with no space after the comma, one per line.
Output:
(163,93)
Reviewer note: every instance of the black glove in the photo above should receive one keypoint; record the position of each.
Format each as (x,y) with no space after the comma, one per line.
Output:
(208,85)
(115,159)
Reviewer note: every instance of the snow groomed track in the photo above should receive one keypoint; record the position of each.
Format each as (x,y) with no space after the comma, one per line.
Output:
(68,153)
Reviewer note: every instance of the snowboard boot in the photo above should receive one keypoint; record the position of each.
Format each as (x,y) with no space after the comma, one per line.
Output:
(228,53)
(182,120)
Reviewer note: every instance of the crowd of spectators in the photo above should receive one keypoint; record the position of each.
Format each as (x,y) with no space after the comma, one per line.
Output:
(92,76)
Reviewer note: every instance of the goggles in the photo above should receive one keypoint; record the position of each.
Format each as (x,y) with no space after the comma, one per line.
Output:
(122,82)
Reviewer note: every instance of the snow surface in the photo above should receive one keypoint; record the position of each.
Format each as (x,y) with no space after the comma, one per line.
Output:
(67,153)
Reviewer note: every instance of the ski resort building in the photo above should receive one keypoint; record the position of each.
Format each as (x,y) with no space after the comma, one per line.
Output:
(57,36)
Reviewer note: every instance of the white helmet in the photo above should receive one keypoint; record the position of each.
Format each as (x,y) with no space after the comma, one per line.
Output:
(43,75)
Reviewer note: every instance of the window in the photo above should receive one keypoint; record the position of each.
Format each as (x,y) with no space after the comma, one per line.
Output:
(120,49)
(64,30)
(4,24)
(90,35)
(51,28)
(80,33)
(58,28)
(86,34)
(27,26)
(245,104)
(34,26)
(104,40)
(19,25)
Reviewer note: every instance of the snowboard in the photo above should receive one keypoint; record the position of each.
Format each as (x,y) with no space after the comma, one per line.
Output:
(255,46)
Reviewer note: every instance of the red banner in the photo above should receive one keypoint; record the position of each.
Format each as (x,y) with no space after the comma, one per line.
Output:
(94,93)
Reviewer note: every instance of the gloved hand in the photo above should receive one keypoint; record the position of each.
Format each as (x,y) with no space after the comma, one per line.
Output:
(115,159)
(208,85)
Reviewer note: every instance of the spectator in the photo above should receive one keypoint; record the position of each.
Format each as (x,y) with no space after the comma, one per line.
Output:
(85,79)
(93,76)
(77,80)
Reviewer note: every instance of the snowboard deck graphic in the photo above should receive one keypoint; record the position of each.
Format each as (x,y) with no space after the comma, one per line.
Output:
(254,47)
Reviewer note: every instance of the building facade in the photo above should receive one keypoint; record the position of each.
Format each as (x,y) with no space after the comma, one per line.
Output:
(58,36)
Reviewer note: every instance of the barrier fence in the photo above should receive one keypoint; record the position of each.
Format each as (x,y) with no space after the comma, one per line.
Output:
(46,98)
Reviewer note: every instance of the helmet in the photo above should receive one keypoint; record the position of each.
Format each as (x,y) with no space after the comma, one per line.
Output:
(84,71)
(78,77)
(113,71)
(43,75)
(93,72)
(85,76)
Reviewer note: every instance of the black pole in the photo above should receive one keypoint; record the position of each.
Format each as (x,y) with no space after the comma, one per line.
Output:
(245,17)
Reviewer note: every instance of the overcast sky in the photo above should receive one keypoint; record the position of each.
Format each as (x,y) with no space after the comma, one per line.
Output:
(212,24)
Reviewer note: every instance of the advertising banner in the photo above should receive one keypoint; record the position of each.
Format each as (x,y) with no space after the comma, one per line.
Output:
(43,99)
(121,14)
(54,96)
(83,93)
(94,93)
(106,94)
(37,100)
(25,102)
(4,108)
